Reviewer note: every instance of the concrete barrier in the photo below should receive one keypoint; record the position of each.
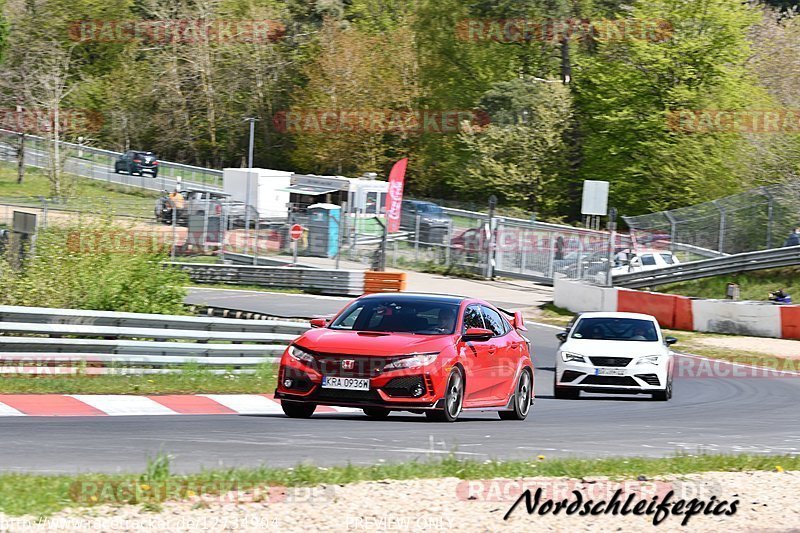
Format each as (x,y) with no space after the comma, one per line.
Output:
(582,298)
(757,319)
(737,318)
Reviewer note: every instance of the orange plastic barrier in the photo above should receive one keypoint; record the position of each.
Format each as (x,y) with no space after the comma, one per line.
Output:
(661,306)
(790,321)
(384,282)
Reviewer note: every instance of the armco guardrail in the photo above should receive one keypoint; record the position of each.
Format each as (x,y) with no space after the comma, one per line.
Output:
(745,262)
(323,281)
(38,340)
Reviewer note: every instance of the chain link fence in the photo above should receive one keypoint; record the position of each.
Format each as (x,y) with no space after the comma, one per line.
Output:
(757,219)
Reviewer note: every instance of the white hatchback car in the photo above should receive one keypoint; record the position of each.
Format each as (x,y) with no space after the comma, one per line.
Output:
(620,353)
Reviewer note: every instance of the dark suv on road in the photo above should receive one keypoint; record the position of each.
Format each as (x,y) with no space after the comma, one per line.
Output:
(134,162)
(433,223)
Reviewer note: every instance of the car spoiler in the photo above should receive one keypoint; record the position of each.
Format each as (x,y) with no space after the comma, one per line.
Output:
(516,319)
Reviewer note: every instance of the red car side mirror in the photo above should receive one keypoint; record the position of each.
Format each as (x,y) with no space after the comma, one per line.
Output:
(478,334)
(319,322)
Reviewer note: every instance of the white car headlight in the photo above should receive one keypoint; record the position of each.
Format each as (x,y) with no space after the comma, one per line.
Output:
(567,357)
(649,360)
(412,361)
(301,355)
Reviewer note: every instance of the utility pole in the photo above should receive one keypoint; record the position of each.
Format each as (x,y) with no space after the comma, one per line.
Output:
(247,200)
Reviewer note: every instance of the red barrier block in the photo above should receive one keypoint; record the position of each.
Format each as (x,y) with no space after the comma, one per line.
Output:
(661,306)
(683,317)
(790,321)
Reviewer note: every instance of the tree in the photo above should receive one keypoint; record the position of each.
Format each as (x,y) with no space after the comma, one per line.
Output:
(519,156)
(355,75)
(626,89)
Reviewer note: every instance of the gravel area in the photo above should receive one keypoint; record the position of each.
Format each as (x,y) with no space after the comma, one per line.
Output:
(767,501)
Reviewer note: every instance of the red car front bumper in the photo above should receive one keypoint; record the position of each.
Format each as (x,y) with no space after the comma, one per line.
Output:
(408,389)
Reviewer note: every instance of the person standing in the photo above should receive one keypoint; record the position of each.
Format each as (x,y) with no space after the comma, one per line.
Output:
(793,239)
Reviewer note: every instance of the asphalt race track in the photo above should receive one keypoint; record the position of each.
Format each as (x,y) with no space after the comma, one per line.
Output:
(714,414)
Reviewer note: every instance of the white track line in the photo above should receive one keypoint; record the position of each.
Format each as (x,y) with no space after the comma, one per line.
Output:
(247,404)
(7,410)
(121,405)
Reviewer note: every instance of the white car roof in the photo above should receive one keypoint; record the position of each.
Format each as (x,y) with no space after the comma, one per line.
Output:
(617,314)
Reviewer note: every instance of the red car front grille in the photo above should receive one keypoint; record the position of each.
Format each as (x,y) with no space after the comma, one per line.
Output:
(362,366)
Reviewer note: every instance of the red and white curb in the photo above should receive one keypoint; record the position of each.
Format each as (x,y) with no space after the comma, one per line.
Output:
(124,405)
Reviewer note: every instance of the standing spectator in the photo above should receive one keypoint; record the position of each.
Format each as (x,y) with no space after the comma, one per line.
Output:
(793,239)
(560,245)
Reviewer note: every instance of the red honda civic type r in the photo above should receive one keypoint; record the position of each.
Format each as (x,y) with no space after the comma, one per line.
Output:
(411,352)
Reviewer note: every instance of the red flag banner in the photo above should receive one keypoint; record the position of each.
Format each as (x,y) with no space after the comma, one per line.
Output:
(395,196)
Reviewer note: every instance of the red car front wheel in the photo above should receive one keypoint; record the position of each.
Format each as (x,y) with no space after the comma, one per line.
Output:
(453,399)
(298,409)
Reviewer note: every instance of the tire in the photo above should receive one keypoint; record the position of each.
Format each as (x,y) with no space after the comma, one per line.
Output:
(664,395)
(117,170)
(376,413)
(564,393)
(523,397)
(298,409)
(453,399)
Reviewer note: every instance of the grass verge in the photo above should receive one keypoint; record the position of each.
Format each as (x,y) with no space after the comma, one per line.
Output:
(41,495)
(36,184)
(752,285)
(191,380)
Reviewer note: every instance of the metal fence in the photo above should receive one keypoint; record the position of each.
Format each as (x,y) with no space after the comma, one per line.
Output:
(98,164)
(757,219)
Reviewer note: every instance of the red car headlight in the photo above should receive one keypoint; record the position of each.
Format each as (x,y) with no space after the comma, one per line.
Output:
(412,361)
(297,353)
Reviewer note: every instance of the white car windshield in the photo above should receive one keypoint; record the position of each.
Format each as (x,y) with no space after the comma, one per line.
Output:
(615,329)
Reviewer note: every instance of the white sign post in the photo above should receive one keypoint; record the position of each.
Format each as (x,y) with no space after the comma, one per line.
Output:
(595,201)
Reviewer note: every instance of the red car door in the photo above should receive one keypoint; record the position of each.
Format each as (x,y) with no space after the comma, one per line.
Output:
(477,357)
(504,356)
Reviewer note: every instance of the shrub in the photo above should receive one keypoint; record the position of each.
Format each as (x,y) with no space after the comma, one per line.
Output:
(94,266)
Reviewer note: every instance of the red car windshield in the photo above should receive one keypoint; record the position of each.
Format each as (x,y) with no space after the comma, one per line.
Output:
(422,317)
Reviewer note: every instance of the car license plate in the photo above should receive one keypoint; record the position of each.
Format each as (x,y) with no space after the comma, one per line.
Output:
(609,371)
(333,382)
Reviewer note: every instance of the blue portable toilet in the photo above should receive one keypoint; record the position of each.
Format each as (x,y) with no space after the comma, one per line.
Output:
(323,230)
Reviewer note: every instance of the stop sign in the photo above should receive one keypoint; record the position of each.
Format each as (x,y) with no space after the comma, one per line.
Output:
(296,232)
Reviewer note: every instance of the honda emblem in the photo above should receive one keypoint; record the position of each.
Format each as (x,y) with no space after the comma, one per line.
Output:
(348,364)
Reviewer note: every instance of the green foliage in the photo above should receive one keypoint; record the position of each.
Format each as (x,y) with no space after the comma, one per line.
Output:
(519,156)
(626,89)
(186,99)
(93,266)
